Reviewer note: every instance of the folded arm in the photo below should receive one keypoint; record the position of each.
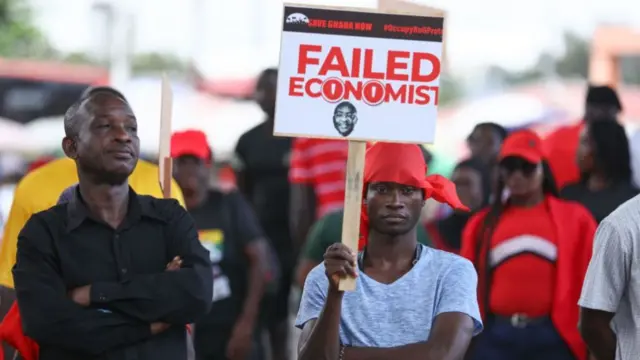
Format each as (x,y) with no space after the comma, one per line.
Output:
(48,316)
(176,297)
(457,320)
(448,340)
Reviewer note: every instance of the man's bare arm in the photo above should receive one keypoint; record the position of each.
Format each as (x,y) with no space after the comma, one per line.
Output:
(449,339)
(596,331)
(320,338)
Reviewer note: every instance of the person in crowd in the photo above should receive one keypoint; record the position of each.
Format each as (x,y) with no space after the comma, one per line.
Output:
(90,275)
(317,175)
(238,250)
(11,330)
(473,184)
(531,252)
(381,318)
(39,190)
(610,299)
(604,161)
(561,146)
(263,167)
(326,232)
(485,140)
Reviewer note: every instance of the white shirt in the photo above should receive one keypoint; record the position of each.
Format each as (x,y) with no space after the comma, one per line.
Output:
(612,283)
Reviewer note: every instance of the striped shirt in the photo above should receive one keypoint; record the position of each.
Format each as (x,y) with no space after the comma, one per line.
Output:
(321,163)
(612,283)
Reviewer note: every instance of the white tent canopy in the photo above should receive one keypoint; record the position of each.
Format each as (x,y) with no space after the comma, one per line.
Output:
(14,137)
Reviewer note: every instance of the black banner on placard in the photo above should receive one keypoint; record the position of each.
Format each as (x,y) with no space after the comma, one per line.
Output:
(361,24)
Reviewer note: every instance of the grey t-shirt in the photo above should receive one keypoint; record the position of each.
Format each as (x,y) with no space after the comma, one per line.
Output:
(400,313)
(612,282)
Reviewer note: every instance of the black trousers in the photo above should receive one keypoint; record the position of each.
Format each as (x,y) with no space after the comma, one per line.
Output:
(211,343)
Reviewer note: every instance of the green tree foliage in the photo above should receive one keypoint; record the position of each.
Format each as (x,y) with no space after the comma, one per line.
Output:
(573,63)
(450,90)
(150,63)
(19,38)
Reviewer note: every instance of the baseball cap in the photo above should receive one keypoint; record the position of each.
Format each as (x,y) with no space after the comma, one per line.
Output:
(190,142)
(524,144)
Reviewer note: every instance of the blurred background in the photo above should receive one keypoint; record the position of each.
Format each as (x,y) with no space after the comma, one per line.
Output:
(517,64)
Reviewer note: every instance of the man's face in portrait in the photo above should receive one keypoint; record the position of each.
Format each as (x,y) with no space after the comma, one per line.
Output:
(345,118)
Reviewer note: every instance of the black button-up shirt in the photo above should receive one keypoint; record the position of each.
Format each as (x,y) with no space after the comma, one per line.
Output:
(65,247)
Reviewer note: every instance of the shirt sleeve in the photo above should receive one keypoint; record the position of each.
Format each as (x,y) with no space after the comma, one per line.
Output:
(459,292)
(49,316)
(67,194)
(314,295)
(609,269)
(177,297)
(316,243)
(299,167)
(245,220)
(239,156)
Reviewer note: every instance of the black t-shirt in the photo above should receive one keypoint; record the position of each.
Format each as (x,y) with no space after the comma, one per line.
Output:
(264,160)
(599,203)
(226,224)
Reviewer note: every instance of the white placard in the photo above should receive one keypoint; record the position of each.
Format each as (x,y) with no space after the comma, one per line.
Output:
(358,75)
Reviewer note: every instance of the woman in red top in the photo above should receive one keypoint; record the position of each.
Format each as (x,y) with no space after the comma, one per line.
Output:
(531,250)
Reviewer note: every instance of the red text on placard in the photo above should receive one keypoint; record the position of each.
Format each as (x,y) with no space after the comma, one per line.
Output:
(337,80)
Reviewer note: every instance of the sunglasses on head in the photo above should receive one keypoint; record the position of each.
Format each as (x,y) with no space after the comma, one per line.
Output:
(512,164)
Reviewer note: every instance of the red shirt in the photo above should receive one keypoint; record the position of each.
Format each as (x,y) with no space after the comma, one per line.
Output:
(321,163)
(523,255)
(574,228)
(561,147)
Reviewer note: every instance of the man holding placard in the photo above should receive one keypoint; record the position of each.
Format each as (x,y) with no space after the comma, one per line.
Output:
(387,67)
(382,319)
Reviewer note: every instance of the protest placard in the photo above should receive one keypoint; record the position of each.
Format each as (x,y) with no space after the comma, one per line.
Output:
(360,76)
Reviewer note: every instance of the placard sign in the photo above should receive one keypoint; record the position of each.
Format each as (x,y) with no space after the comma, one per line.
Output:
(358,75)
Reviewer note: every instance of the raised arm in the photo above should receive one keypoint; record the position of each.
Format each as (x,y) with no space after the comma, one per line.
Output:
(320,309)
(48,316)
(457,321)
(176,297)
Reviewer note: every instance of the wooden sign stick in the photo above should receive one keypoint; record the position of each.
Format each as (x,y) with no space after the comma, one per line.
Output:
(165,163)
(353,203)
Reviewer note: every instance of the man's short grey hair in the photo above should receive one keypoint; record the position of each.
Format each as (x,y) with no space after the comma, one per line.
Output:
(71,127)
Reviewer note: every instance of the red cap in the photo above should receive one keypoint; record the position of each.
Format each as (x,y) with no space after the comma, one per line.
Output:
(190,142)
(382,165)
(524,144)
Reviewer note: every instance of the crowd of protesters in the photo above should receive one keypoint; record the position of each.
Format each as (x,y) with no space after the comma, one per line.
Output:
(103,269)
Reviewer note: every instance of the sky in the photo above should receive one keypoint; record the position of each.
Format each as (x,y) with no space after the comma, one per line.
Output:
(507,33)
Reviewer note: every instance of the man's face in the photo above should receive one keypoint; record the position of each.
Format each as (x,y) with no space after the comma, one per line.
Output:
(484,144)
(344,119)
(107,143)
(468,186)
(192,175)
(394,209)
(266,94)
(595,111)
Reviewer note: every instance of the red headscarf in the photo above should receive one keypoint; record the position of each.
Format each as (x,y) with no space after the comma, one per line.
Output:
(404,164)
